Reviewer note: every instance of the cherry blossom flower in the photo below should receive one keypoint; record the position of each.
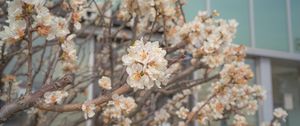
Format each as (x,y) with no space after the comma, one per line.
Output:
(125,103)
(182,112)
(280,113)
(161,116)
(76,16)
(55,97)
(213,60)
(14,10)
(89,110)
(44,22)
(60,27)
(105,83)
(13,32)
(112,113)
(69,54)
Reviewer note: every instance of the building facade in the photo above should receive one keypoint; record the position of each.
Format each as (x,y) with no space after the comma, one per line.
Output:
(271,31)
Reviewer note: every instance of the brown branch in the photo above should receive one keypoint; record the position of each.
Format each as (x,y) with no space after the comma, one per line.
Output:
(176,47)
(184,73)
(41,61)
(189,84)
(29,100)
(153,23)
(181,10)
(191,115)
(141,102)
(29,61)
(77,106)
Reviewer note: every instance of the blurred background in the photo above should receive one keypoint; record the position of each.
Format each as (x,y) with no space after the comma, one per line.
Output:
(271,31)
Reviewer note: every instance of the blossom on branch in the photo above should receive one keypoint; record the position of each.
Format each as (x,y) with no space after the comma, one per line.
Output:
(146,65)
(117,108)
(126,104)
(105,83)
(16,23)
(89,110)
(161,116)
(239,121)
(69,54)
(182,112)
(280,113)
(55,97)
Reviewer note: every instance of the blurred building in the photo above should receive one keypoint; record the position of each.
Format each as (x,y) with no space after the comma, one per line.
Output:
(271,31)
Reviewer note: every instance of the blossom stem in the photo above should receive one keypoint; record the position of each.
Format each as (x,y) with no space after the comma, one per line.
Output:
(29,61)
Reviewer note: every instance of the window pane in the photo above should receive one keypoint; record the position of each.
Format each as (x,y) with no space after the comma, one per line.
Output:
(286,89)
(235,9)
(192,8)
(295,9)
(271,24)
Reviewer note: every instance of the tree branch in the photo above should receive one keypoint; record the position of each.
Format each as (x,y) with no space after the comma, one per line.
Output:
(29,100)
(77,106)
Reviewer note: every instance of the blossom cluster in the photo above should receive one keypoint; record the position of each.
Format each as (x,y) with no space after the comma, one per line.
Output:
(174,104)
(182,113)
(16,24)
(89,110)
(55,97)
(239,121)
(69,54)
(146,65)
(117,108)
(49,25)
(280,115)
(161,12)
(209,39)
(161,116)
(231,94)
(44,22)
(26,16)
(236,73)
